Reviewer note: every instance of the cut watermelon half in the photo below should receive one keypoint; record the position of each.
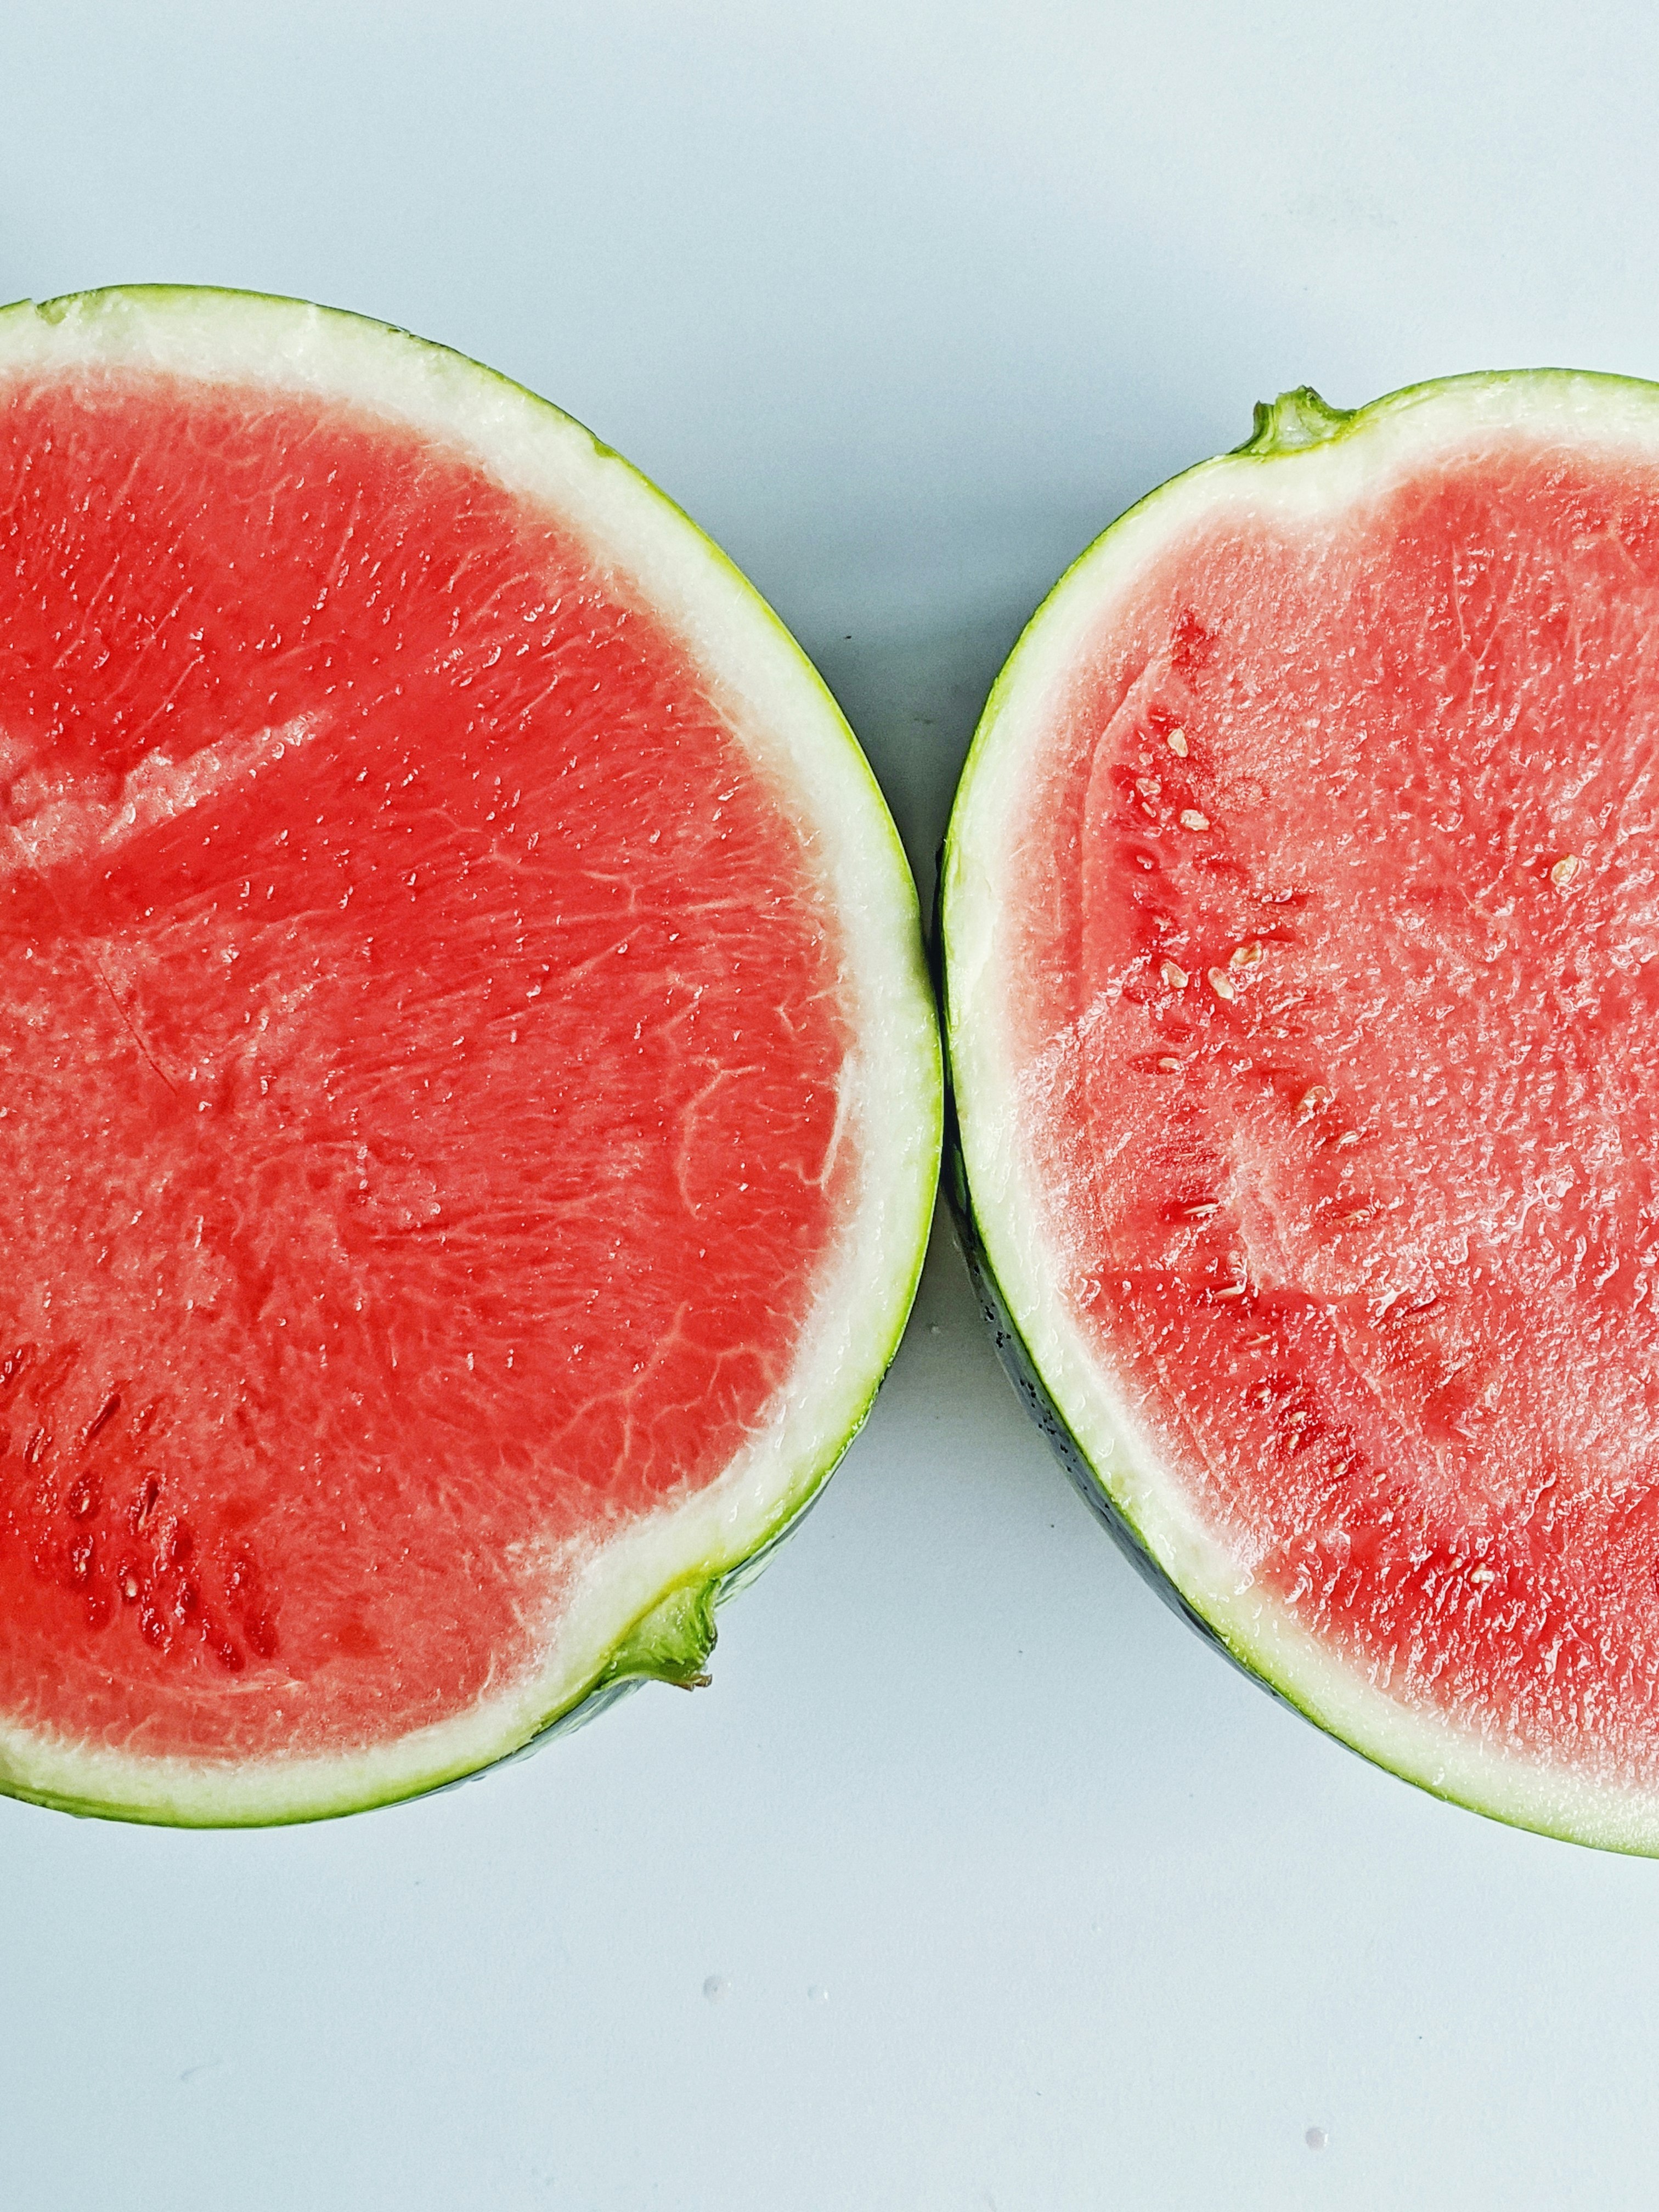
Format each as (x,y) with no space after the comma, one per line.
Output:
(470,1090)
(1300,914)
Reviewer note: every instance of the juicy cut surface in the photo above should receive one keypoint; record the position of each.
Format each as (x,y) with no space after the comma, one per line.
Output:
(420,1036)
(1337,1029)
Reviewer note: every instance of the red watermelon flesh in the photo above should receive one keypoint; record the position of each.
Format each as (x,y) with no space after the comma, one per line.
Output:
(1327,932)
(425,1032)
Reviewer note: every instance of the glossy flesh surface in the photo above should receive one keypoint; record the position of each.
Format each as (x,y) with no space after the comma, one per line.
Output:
(1331,997)
(422,1033)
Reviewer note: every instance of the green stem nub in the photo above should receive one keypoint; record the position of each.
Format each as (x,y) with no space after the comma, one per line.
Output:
(671,1642)
(1294,420)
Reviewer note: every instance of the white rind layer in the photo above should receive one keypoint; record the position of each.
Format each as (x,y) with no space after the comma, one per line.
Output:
(1283,483)
(778,707)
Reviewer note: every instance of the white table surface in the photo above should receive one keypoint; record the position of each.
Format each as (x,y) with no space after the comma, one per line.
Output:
(1012,1896)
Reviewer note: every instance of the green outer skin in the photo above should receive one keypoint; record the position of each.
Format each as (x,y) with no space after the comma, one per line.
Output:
(1295,421)
(671,1639)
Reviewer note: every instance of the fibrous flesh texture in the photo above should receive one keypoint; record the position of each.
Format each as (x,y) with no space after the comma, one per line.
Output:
(432,1105)
(1315,1132)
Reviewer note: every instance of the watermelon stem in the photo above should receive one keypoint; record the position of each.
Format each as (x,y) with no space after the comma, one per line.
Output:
(1294,420)
(671,1642)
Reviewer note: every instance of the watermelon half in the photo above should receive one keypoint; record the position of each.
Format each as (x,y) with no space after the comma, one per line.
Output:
(470,1104)
(1300,914)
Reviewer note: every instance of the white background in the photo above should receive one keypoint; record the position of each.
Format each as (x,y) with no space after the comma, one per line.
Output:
(903,303)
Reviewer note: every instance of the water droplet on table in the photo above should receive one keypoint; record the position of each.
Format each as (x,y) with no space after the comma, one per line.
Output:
(715,1988)
(1316,2138)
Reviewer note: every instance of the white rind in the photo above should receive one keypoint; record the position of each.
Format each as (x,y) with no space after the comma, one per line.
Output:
(778,707)
(1372,451)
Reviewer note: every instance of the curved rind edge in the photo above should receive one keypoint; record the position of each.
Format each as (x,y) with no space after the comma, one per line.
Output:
(670,1637)
(1015,1357)
(1636,1835)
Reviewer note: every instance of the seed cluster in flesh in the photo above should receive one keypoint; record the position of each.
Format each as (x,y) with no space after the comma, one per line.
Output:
(424,1038)
(1334,1003)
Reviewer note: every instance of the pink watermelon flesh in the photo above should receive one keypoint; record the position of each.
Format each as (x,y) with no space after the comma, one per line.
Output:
(1337,906)
(421,1033)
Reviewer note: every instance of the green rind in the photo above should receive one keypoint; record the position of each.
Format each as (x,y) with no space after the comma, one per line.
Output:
(1018,1364)
(1295,422)
(639,1656)
(672,1638)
